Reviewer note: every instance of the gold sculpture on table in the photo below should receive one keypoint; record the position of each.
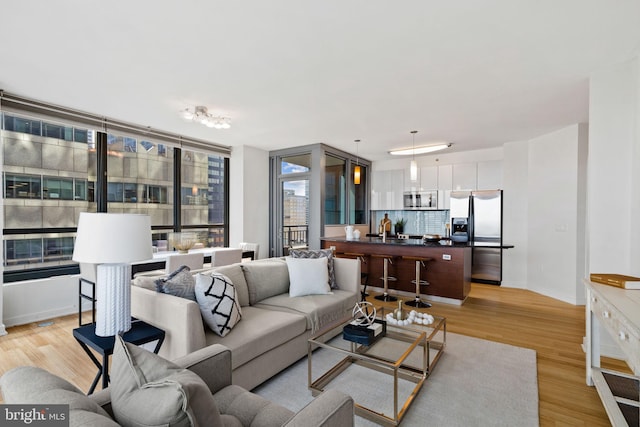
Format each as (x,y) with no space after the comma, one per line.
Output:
(183,241)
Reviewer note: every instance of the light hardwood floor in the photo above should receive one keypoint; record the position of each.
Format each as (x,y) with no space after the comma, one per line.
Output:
(513,316)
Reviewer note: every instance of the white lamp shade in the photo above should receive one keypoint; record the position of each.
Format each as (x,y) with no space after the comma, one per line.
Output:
(112,238)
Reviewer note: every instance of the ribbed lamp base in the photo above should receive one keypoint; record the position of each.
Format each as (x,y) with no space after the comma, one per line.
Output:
(113,299)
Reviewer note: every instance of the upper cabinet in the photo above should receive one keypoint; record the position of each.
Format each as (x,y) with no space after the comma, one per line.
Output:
(429,178)
(410,185)
(445,177)
(387,188)
(465,176)
(490,175)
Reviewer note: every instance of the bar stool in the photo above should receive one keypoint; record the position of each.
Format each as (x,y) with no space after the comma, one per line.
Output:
(364,276)
(387,259)
(418,282)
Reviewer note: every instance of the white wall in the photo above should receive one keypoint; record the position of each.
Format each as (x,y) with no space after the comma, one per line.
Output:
(35,300)
(554,230)
(614,170)
(249,198)
(515,214)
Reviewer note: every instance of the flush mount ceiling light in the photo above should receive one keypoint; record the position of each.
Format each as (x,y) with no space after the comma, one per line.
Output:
(201,114)
(420,150)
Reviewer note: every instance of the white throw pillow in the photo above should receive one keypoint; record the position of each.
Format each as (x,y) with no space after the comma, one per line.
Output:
(308,276)
(218,301)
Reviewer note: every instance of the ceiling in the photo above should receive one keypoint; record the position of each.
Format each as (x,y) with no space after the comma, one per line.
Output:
(295,72)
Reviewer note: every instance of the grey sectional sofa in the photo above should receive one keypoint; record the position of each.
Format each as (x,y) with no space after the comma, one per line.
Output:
(274,329)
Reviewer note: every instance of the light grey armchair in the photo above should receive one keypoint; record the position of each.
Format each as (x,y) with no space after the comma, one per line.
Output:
(238,407)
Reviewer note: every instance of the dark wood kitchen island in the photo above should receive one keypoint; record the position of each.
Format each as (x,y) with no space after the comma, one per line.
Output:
(448,274)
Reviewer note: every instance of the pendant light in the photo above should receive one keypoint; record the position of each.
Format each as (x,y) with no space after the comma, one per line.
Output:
(356,169)
(413,168)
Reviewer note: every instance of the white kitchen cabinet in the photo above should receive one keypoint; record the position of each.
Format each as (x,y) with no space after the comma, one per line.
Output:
(408,184)
(445,177)
(387,188)
(490,175)
(465,176)
(428,178)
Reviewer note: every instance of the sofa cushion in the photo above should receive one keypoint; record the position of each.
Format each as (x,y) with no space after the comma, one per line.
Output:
(249,408)
(308,276)
(216,295)
(180,283)
(266,278)
(319,310)
(149,390)
(147,280)
(259,331)
(235,273)
(32,385)
(319,253)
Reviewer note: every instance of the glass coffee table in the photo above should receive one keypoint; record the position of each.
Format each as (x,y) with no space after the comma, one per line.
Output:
(396,364)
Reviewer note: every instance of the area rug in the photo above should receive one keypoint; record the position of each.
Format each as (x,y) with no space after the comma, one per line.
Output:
(475,383)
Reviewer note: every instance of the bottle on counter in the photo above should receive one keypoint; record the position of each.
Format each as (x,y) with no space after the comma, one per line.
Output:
(385,224)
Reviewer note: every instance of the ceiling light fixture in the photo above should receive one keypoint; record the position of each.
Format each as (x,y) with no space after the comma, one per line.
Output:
(356,168)
(413,169)
(201,114)
(421,150)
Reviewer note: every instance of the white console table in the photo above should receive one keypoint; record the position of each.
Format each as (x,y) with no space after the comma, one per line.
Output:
(618,312)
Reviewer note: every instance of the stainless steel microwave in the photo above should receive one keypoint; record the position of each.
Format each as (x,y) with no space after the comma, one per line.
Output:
(421,199)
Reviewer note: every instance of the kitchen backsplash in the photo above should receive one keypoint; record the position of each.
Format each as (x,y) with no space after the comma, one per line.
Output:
(418,222)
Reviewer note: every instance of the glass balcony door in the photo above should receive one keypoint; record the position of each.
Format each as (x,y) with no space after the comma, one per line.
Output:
(293,227)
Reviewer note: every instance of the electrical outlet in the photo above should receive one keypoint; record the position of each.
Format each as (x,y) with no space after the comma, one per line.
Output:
(333,248)
(446,257)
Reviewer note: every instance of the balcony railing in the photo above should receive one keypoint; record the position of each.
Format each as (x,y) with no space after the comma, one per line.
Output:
(295,236)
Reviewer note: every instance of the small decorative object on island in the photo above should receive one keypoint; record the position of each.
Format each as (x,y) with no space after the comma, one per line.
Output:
(348,230)
(385,224)
(183,241)
(399,225)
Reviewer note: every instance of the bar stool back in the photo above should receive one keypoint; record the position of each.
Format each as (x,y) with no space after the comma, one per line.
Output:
(417,302)
(387,259)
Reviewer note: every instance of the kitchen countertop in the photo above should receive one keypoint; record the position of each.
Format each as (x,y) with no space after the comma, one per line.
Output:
(417,242)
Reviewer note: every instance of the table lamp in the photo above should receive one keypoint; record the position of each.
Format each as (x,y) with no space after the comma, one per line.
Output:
(113,241)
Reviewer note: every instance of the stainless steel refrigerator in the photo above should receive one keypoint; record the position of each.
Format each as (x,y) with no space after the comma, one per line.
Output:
(484,212)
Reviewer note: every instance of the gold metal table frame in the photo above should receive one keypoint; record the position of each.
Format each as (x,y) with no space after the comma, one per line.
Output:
(427,341)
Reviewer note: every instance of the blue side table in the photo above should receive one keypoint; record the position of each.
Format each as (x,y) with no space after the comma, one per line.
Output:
(140,333)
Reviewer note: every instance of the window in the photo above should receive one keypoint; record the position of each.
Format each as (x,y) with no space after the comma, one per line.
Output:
(202,196)
(62,164)
(358,197)
(22,186)
(57,188)
(295,164)
(334,190)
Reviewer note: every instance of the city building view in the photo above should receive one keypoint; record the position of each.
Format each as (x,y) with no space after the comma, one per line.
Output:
(49,177)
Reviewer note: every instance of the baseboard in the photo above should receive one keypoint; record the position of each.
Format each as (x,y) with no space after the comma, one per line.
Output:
(43,315)
(408,296)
